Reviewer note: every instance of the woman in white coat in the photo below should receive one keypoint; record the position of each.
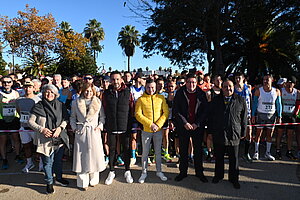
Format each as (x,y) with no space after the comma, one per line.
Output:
(87,120)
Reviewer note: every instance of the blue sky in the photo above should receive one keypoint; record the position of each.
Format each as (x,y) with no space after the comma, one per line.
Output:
(112,15)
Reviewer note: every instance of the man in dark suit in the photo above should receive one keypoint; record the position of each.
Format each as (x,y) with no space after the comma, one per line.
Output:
(190,112)
(227,122)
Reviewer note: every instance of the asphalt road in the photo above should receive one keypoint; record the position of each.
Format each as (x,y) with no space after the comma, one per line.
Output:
(259,180)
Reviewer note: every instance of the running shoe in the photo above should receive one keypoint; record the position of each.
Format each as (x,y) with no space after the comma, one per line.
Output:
(5,164)
(247,158)
(209,157)
(19,160)
(278,154)
(255,156)
(110,178)
(167,157)
(269,156)
(143,177)
(290,155)
(120,162)
(28,167)
(128,177)
(161,176)
(132,161)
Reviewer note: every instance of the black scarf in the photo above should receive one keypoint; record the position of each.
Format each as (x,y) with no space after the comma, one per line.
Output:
(54,112)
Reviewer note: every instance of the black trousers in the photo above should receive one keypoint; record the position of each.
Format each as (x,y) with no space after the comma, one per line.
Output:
(184,139)
(233,152)
(124,141)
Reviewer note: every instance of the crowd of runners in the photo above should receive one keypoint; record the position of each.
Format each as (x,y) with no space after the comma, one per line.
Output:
(109,120)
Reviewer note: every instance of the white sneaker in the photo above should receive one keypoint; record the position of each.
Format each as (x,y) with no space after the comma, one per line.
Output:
(128,177)
(161,176)
(143,177)
(132,161)
(110,178)
(255,156)
(28,167)
(269,156)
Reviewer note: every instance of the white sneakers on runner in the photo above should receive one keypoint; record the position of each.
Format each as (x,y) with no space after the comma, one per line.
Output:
(110,178)
(28,167)
(269,156)
(128,177)
(255,156)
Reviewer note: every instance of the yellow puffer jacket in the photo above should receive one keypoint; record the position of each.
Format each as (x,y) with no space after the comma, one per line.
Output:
(151,109)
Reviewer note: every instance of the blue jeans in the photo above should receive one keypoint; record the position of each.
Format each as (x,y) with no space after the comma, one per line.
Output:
(53,164)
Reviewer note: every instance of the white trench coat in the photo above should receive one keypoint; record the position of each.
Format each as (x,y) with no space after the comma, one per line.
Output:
(88,148)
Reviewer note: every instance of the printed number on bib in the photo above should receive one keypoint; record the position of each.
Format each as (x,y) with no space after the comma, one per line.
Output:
(8,111)
(288,109)
(24,117)
(269,107)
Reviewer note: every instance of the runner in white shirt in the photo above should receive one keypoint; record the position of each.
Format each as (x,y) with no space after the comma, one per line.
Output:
(266,104)
(24,106)
(289,97)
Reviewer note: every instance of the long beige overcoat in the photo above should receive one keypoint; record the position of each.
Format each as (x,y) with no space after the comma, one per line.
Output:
(88,148)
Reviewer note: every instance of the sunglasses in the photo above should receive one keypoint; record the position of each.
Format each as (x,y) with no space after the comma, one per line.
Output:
(180,83)
(88,78)
(6,82)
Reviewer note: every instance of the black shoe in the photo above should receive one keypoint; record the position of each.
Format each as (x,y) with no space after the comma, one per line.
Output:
(180,176)
(290,155)
(62,182)
(236,185)
(202,178)
(278,154)
(50,189)
(215,180)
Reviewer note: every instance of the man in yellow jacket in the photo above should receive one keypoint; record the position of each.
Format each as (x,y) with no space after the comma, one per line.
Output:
(151,111)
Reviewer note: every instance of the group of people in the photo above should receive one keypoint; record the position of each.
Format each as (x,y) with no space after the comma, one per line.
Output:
(100,121)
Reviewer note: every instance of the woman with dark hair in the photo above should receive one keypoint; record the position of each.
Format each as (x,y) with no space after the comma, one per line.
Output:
(49,119)
(87,120)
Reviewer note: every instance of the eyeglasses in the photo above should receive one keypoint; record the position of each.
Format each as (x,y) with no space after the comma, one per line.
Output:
(6,82)
(88,78)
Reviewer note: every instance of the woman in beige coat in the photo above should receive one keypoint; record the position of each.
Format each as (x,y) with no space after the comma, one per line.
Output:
(87,120)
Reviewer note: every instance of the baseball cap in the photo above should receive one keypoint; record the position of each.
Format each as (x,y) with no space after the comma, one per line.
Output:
(28,83)
(281,81)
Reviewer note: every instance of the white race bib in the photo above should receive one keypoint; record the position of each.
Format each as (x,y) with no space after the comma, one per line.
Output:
(24,117)
(288,108)
(269,107)
(8,111)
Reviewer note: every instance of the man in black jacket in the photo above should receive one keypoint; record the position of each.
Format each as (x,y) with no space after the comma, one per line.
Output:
(227,122)
(118,107)
(190,111)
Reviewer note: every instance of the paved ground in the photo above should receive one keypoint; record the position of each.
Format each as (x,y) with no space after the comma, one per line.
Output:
(259,180)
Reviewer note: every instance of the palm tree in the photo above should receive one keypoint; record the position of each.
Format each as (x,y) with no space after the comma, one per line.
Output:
(95,33)
(65,27)
(128,38)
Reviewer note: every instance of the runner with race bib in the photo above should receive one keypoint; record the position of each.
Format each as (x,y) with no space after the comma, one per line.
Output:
(266,105)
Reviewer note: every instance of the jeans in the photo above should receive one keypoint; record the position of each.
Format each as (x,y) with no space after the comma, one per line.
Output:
(53,164)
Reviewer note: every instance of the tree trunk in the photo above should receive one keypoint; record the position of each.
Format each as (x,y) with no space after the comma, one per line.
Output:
(128,63)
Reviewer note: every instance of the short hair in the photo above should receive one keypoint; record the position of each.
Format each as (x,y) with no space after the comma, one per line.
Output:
(190,75)
(51,87)
(239,74)
(3,77)
(159,79)
(85,87)
(127,72)
(115,72)
(56,75)
(216,76)
(37,81)
(149,81)
(45,80)
(226,80)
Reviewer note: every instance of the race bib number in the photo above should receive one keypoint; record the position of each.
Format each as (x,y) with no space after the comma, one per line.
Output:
(269,107)
(8,111)
(24,117)
(288,109)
